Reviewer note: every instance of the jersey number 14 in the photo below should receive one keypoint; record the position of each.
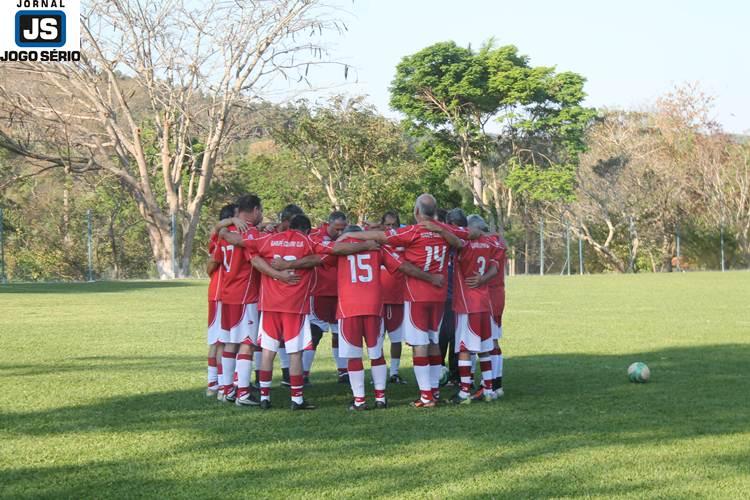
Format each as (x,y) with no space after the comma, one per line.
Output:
(435,253)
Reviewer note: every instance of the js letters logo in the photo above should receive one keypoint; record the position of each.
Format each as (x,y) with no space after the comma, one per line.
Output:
(40,30)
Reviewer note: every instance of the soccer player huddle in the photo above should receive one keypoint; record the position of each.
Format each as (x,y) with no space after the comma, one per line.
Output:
(276,288)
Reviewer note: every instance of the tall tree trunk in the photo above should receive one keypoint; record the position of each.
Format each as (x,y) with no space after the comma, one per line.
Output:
(161,247)
(666,253)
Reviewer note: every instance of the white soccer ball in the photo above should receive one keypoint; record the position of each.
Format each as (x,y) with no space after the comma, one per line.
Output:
(639,373)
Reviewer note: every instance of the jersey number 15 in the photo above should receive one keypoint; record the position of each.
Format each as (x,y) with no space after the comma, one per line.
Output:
(359,269)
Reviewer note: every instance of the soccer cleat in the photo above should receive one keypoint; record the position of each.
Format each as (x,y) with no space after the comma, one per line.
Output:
(484,395)
(231,396)
(344,378)
(381,405)
(265,404)
(247,400)
(360,407)
(396,379)
(498,393)
(458,400)
(304,405)
(422,404)
(211,392)
(478,395)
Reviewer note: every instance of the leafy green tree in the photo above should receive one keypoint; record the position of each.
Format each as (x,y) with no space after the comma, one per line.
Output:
(362,161)
(458,95)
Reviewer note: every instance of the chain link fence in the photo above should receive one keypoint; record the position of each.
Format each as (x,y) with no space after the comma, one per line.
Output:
(92,252)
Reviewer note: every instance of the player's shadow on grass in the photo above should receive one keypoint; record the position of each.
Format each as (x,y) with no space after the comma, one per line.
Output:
(556,405)
(95,287)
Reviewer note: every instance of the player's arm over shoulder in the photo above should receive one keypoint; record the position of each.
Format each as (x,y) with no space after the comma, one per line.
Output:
(231,237)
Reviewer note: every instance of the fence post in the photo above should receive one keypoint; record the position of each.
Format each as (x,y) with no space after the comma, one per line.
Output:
(541,247)
(174,245)
(90,246)
(2,250)
(677,239)
(567,247)
(580,255)
(721,232)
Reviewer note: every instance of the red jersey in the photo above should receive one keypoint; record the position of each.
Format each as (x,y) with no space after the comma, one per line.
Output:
(429,252)
(326,273)
(359,277)
(393,284)
(240,283)
(474,258)
(214,281)
(497,284)
(276,295)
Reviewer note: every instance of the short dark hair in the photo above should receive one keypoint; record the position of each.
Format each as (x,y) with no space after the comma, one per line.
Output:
(441,213)
(227,211)
(351,228)
(248,202)
(457,217)
(336,215)
(391,213)
(290,211)
(300,222)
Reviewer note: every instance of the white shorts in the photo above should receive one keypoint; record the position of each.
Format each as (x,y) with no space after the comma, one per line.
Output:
(497,330)
(429,314)
(293,329)
(215,331)
(473,333)
(244,329)
(394,322)
(356,331)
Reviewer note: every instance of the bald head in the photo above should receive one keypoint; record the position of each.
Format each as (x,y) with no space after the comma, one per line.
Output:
(425,207)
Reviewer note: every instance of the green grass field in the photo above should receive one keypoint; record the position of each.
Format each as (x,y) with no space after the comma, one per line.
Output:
(103,397)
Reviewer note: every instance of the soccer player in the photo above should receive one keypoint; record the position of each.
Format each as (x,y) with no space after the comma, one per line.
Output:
(285,217)
(324,296)
(285,306)
(239,302)
(393,287)
(227,217)
(497,306)
(423,307)
(475,265)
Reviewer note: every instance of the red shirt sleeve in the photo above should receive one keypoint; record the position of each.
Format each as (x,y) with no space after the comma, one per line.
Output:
(252,245)
(402,236)
(322,247)
(461,232)
(391,261)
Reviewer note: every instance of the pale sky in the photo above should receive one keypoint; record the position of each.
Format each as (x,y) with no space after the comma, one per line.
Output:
(629,52)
